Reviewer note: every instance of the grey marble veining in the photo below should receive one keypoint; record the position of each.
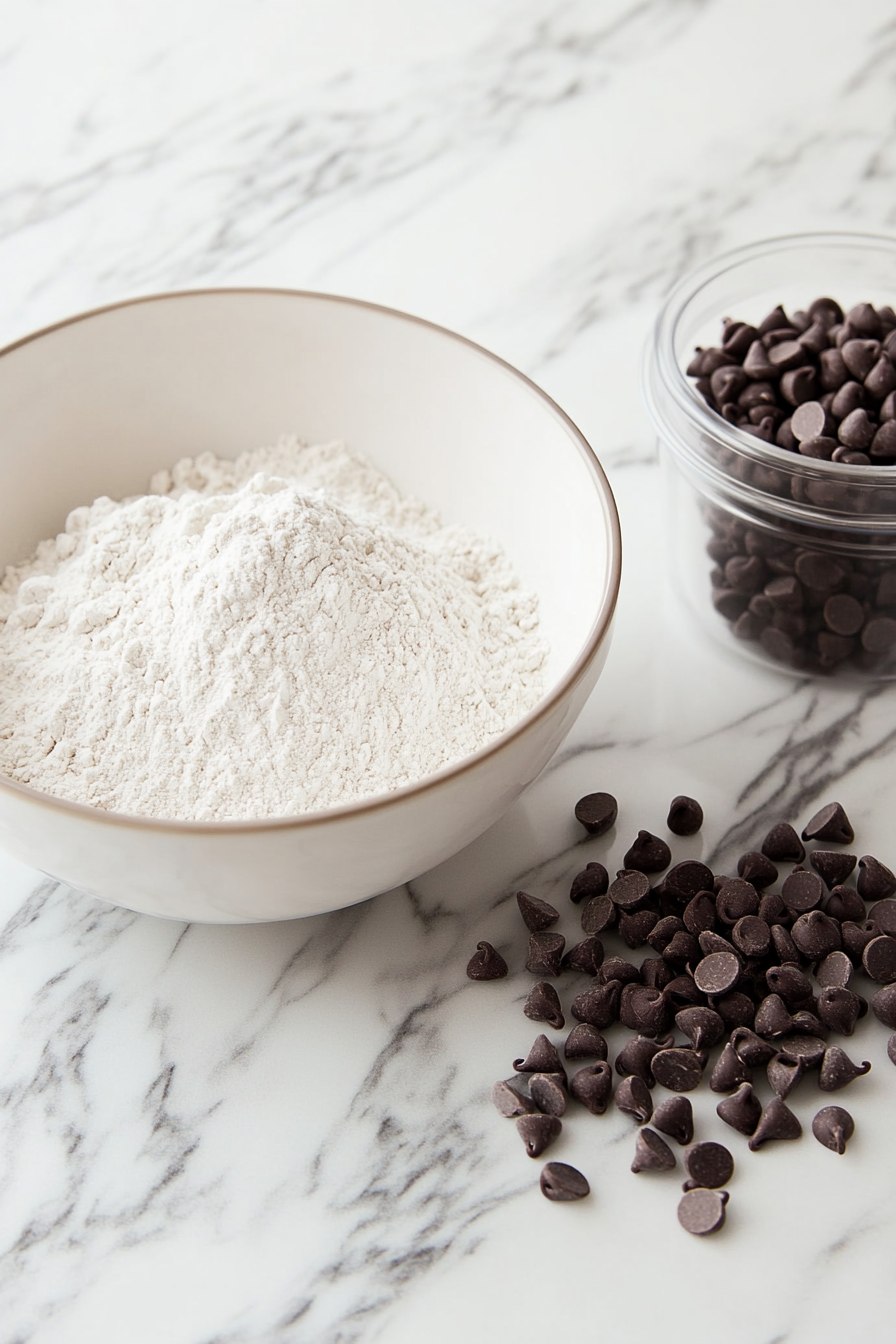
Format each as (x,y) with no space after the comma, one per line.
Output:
(282,1134)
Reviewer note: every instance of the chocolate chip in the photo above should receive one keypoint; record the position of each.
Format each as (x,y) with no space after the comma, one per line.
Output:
(809,421)
(617,968)
(833,1127)
(543,1005)
(833,372)
(772,1017)
(751,936)
(784,1072)
(510,1102)
(685,879)
(652,1153)
(593,1086)
(545,953)
(675,1117)
(635,1058)
(682,950)
(542,1058)
(630,892)
(835,972)
(816,934)
(772,909)
(700,913)
(802,891)
(597,812)
(657,973)
(837,1069)
(537,914)
(879,635)
(702,1212)
(598,1005)
(864,319)
(845,904)
(563,1183)
(729,1071)
(593,880)
(786,355)
(585,1042)
(756,869)
(785,947)
(879,959)
(735,1010)
(809,1050)
(891,1048)
(685,815)
(633,1098)
(777,1122)
(750,1048)
(682,992)
(635,926)
(718,973)
(585,956)
(884,442)
(736,898)
(882,378)
(757,364)
(599,914)
(839,1009)
(851,396)
(860,357)
(664,931)
(741,1110)
(832,865)
(790,983)
(798,385)
(875,882)
(709,1166)
(830,823)
(884,915)
(702,1026)
(648,854)
(782,845)
(821,574)
(548,1093)
(883,1005)
(710,941)
(538,1132)
(645,1010)
(486,963)
(677,1069)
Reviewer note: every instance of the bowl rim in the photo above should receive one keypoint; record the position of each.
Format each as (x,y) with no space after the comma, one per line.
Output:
(376,802)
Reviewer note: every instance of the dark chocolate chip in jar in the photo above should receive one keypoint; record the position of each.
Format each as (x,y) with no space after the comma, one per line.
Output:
(685,815)
(833,373)
(597,812)
(542,1058)
(585,956)
(830,823)
(741,1110)
(837,1069)
(860,357)
(783,845)
(879,959)
(543,1005)
(799,385)
(486,963)
(879,635)
(849,397)
(709,1166)
(777,1122)
(702,1212)
(652,1153)
(545,953)
(633,1098)
(843,615)
(882,378)
(757,364)
(562,1183)
(856,431)
(865,319)
(510,1101)
(537,914)
(883,445)
(585,1042)
(833,1128)
(538,1132)
(648,854)
(548,1093)
(593,1086)
(810,421)
(593,880)
(786,355)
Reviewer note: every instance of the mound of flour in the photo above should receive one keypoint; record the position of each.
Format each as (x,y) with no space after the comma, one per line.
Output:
(256,638)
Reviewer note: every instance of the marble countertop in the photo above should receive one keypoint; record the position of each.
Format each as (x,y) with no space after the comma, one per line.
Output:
(282,1134)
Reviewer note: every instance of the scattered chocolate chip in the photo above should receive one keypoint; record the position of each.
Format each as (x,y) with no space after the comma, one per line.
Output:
(702,1026)
(597,812)
(755,868)
(548,1093)
(545,953)
(709,1166)
(777,1122)
(845,904)
(685,816)
(816,934)
(585,956)
(718,973)
(837,1069)
(677,1069)
(802,891)
(789,983)
(563,1183)
(599,914)
(630,891)
(785,947)
(857,936)
(833,1127)
(835,972)
(830,823)
(685,879)
(783,845)
(593,1086)
(750,1048)
(593,880)
(699,914)
(511,1102)
(645,1010)
(772,1017)
(543,1005)
(875,882)
(635,926)
(597,1006)
(883,1006)
(635,1058)
(751,936)
(879,959)
(702,1212)
(729,1071)
(839,1009)
(633,1098)
(617,968)
(884,915)
(784,1072)
(809,1050)
(652,1153)
(538,1132)
(741,1110)
(675,1117)
(542,1058)
(486,963)
(585,1042)
(537,914)
(648,854)
(735,1010)
(657,973)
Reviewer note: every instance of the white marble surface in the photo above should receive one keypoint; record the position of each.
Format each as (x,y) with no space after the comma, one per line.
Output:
(281,1134)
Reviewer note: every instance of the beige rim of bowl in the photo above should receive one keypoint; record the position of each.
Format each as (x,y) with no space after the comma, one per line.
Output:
(381,801)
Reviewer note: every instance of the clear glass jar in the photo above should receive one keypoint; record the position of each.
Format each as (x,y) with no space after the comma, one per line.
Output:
(730,494)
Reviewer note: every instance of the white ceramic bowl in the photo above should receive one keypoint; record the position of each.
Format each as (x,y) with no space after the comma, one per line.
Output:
(96,404)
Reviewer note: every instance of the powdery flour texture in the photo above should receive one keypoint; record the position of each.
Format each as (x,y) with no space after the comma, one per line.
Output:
(257,638)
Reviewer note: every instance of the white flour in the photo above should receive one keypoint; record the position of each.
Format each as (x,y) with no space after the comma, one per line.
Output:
(258,638)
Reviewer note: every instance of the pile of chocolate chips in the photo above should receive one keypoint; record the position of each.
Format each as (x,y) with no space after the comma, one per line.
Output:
(817,383)
(750,976)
